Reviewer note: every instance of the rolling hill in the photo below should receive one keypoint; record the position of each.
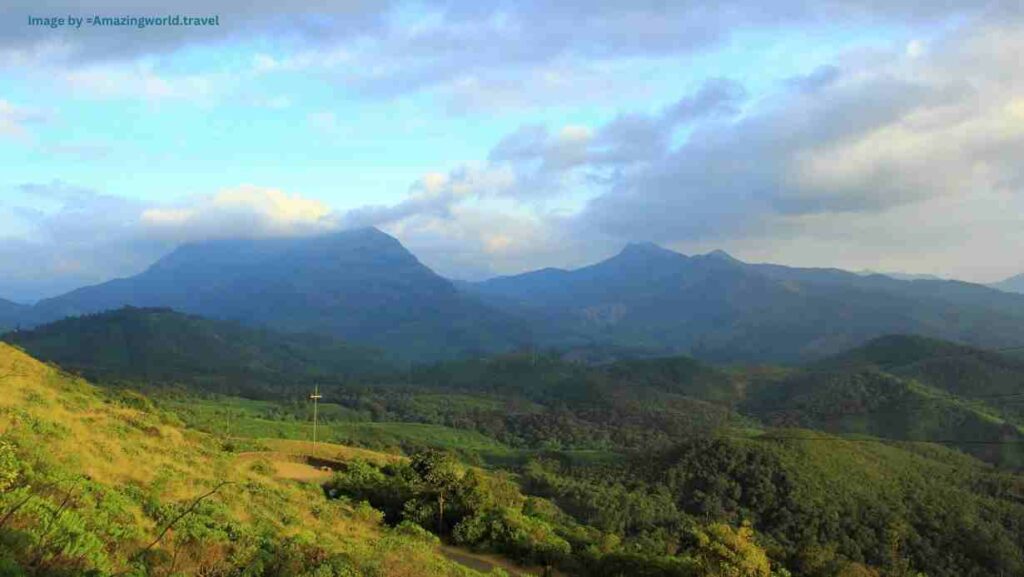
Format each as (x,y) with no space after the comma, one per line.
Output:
(95,483)
(359,285)
(995,379)
(905,387)
(896,387)
(163,347)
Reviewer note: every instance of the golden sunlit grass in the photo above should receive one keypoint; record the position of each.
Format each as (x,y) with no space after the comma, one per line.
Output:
(81,428)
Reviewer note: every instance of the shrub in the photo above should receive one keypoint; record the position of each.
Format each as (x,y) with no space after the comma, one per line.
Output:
(10,467)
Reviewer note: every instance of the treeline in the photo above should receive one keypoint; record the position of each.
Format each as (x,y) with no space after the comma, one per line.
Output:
(822,506)
(433,492)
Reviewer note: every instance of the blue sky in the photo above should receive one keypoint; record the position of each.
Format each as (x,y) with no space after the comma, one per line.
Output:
(263,127)
(760,128)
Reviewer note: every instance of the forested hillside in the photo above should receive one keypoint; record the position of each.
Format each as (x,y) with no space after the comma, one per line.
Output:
(160,347)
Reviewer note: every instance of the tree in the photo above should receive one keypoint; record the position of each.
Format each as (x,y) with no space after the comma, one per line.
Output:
(726,552)
(440,474)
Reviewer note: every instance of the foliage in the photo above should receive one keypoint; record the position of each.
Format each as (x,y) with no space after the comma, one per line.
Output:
(821,504)
(488,512)
(117,490)
(167,348)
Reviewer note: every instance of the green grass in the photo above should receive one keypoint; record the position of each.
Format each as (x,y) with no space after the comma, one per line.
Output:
(98,473)
(234,417)
(251,419)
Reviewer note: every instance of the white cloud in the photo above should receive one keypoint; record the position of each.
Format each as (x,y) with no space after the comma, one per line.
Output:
(243,212)
(887,156)
(15,120)
(62,236)
(276,103)
(883,156)
(142,81)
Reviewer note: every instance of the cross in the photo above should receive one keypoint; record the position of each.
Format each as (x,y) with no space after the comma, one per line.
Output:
(316,396)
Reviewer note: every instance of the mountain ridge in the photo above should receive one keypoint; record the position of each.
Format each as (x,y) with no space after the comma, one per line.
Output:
(361,285)
(723,309)
(1014,284)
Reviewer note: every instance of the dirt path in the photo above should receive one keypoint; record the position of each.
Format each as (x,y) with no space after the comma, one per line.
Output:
(484,562)
(300,472)
(295,467)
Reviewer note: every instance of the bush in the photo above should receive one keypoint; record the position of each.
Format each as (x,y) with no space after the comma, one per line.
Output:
(10,467)
(415,531)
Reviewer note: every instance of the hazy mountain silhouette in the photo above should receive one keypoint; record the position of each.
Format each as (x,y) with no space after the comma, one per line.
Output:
(361,285)
(365,287)
(717,307)
(1013,284)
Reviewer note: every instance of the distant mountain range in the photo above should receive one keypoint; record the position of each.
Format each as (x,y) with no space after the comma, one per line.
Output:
(360,285)
(1013,284)
(901,275)
(364,287)
(719,308)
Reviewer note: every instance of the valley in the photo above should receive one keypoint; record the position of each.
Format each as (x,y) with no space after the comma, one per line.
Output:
(651,465)
(468,288)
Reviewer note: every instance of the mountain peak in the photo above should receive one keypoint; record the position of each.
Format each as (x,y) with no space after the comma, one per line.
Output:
(720,254)
(646,248)
(1013,284)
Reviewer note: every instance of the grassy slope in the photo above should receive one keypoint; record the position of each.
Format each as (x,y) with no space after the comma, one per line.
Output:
(73,438)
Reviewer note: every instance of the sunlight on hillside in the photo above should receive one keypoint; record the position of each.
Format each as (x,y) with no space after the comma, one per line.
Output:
(75,437)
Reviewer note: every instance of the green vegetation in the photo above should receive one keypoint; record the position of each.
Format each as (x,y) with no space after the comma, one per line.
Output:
(160,347)
(659,467)
(489,512)
(99,484)
(821,505)
(234,417)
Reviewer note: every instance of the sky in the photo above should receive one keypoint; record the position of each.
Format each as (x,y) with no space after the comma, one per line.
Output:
(499,137)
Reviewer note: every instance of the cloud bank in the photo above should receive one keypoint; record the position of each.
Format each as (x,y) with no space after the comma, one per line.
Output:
(889,158)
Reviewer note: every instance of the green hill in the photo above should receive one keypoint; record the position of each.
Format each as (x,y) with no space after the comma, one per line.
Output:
(961,370)
(905,387)
(875,403)
(101,485)
(824,506)
(164,347)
